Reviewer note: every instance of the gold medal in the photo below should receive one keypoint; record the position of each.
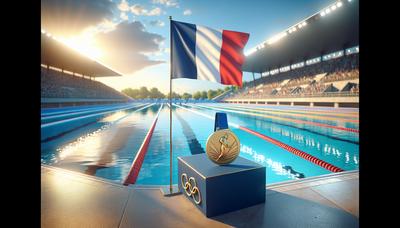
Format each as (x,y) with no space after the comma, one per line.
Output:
(223,147)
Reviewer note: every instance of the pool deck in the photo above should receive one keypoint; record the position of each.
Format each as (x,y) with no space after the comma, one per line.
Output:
(71,199)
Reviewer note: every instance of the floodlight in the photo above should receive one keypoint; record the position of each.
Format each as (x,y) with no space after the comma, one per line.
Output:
(327,11)
(251,51)
(339,4)
(322,14)
(333,7)
(276,38)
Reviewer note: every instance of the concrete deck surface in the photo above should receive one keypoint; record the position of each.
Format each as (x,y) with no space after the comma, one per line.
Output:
(71,199)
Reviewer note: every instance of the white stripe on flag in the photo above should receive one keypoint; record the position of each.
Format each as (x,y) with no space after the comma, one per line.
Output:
(208,52)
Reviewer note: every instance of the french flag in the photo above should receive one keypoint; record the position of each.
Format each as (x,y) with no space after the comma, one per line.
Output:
(203,53)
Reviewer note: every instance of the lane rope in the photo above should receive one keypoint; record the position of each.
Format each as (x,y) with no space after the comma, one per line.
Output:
(87,116)
(85,112)
(295,151)
(322,112)
(283,119)
(76,109)
(288,148)
(140,155)
(283,113)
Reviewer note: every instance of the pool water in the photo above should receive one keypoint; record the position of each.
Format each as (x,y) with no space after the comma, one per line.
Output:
(103,140)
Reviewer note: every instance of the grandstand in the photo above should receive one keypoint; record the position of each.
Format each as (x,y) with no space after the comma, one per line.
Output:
(67,77)
(296,67)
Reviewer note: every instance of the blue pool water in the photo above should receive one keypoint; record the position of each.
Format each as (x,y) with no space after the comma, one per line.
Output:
(103,140)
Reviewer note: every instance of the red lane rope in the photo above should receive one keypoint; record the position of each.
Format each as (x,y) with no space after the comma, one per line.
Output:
(329,126)
(295,151)
(138,161)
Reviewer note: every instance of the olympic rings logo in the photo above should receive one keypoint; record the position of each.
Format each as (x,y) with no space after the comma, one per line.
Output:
(190,187)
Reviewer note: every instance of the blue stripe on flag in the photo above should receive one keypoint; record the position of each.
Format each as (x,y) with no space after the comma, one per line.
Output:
(183,50)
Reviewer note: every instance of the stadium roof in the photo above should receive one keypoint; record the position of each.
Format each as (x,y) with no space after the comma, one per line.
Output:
(59,55)
(332,29)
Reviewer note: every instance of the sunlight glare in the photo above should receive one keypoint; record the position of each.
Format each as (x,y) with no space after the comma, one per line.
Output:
(84,44)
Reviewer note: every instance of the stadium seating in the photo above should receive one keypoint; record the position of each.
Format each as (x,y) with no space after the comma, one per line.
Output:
(55,84)
(316,79)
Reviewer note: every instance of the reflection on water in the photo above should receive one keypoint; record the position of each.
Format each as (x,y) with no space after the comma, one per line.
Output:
(114,117)
(277,167)
(98,149)
(310,142)
(152,110)
(107,148)
(262,122)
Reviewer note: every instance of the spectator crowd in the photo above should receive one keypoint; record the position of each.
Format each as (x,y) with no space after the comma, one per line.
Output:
(303,80)
(55,84)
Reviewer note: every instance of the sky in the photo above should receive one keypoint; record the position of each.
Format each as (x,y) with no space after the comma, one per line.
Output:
(132,37)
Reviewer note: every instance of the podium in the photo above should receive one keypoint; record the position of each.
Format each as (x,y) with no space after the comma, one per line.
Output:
(217,189)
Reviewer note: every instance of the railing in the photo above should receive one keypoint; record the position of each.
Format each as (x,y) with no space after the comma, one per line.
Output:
(300,95)
(222,95)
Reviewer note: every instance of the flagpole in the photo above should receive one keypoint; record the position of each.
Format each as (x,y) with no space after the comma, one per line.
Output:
(170,106)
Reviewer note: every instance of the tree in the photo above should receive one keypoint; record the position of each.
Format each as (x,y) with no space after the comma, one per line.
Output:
(211,94)
(127,91)
(235,88)
(204,95)
(143,92)
(134,93)
(228,88)
(155,93)
(186,96)
(197,95)
(174,95)
(219,92)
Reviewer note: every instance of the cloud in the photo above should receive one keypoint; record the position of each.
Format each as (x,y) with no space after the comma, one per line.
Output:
(123,16)
(140,10)
(104,26)
(128,47)
(158,23)
(167,3)
(155,12)
(187,12)
(123,6)
(61,17)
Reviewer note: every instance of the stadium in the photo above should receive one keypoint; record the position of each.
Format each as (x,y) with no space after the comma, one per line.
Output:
(105,155)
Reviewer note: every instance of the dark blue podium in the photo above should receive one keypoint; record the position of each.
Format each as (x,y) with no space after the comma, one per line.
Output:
(218,189)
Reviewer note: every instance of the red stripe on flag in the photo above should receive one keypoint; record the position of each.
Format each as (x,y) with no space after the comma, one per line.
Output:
(232,58)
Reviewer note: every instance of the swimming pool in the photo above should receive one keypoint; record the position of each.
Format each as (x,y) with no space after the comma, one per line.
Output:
(103,140)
